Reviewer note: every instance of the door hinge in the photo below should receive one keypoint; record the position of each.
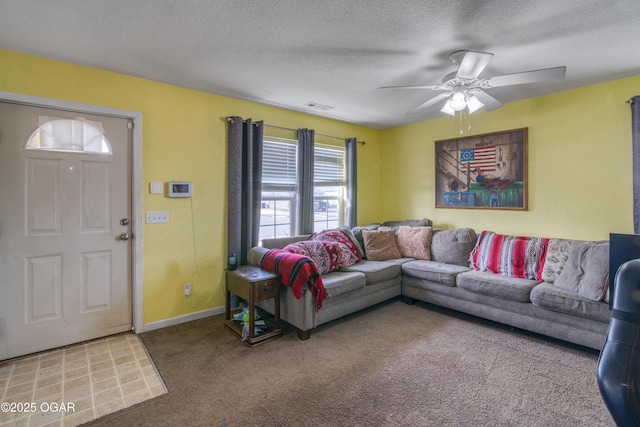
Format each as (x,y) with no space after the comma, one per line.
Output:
(130,124)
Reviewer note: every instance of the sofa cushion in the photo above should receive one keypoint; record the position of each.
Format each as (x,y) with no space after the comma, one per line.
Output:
(550,297)
(558,251)
(376,271)
(496,285)
(514,256)
(380,245)
(399,261)
(444,274)
(414,242)
(453,246)
(340,282)
(586,271)
(424,222)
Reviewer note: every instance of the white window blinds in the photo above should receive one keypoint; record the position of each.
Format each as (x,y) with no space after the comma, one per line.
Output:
(278,162)
(329,166)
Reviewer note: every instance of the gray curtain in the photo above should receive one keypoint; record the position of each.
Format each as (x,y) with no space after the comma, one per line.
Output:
(244,185)
(352,182)
(305,180)
(635,139)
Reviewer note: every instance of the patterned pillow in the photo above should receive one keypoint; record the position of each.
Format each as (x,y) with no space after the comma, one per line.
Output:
(380,245)
(414,242)
(515,256)
(328,256)
(557,254)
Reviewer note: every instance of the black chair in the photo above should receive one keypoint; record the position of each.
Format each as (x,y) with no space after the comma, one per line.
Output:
(619,362)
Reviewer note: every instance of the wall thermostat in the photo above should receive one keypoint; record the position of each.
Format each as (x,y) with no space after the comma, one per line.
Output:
(179,189)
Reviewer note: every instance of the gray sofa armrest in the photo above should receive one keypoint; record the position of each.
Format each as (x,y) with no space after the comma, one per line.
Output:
(255,255)
(299,313)
(281,242)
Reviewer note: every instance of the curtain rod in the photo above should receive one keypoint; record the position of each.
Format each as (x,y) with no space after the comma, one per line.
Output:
(317,133)
(295,130)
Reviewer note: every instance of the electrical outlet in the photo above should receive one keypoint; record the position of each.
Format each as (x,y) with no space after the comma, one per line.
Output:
(156,217)
(187,289)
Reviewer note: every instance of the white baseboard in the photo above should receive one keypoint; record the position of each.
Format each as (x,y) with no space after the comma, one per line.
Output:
(146,327)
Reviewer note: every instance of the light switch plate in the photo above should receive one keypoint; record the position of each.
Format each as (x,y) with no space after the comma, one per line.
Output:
(155,187)
(157,217)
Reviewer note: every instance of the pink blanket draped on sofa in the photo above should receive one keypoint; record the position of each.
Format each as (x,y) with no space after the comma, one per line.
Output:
(296,271)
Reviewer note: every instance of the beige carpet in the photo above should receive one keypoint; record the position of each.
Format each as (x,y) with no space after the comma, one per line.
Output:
(394,365)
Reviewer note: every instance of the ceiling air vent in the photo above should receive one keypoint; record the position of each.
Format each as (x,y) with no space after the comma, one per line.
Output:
(317,106)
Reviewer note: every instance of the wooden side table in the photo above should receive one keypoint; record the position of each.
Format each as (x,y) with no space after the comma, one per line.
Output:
(254,285)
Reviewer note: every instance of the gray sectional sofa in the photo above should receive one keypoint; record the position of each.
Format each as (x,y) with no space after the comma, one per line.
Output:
(565,299)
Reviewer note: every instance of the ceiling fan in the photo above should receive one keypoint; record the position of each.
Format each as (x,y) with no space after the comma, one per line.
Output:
(465,89)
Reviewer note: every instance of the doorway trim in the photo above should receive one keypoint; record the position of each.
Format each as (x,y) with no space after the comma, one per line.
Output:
(136,179)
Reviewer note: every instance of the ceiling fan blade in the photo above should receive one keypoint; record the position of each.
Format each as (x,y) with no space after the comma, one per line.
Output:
(490,103)
(430,102)
(544,75)
(432,87)
(472,64)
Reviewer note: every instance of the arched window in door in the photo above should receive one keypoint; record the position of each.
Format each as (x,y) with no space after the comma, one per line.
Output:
(75,135)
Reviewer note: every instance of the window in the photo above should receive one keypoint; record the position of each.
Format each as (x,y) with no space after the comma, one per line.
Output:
(280,189)
(329,187)
(68,135)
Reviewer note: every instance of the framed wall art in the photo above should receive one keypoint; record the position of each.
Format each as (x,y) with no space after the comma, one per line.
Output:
(482,172)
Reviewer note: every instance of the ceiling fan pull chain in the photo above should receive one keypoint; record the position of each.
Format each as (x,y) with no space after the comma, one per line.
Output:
(461,133)
(469,116)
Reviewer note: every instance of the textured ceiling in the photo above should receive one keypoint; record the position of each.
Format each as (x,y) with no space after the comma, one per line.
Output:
(331,52)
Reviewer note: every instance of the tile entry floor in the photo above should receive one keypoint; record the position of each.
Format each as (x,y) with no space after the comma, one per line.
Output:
(72,385)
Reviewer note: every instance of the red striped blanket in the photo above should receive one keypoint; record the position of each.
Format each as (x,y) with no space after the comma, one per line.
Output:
(297,271)
(515,256)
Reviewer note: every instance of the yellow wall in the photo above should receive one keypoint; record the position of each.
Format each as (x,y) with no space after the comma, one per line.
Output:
(580,168)
(580,172)
(184,138)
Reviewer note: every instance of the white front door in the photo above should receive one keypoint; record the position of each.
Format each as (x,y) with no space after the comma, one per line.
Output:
(65,252)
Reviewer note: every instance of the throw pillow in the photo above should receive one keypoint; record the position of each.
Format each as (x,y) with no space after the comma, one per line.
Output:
(452,246)
(357,232)
(586,271)
(380,245)
(414,242)
(558,251)
(514,256)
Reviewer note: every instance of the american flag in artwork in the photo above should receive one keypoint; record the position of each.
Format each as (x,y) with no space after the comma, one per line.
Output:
(483,158)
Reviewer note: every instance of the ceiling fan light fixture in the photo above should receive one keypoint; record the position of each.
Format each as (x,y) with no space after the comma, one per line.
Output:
(447,108)
(460,87)
(457,102)
(474,104)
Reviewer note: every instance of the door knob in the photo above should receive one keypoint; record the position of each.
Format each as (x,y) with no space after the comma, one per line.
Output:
(124,236)
(124,221)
